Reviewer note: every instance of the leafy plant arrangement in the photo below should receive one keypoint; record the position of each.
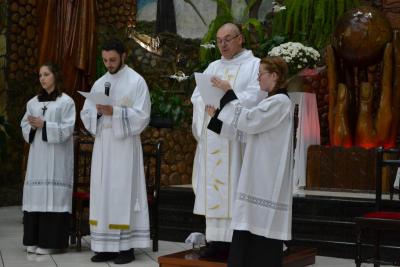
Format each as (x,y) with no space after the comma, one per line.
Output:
(166,109)
(296,55)
(270,43)
(310,21)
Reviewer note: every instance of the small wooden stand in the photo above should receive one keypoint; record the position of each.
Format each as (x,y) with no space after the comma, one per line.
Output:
(294,257)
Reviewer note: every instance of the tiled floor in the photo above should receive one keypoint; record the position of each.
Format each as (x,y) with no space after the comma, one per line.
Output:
(12,252)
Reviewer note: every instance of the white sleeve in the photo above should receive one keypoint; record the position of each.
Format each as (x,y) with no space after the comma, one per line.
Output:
(60,131)
(89,116)
(226,115)
(25,126)
(130,121)
(199,112)
(263,117)
(251,95)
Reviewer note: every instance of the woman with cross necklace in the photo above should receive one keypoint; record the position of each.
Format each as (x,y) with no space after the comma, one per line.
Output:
(48,126)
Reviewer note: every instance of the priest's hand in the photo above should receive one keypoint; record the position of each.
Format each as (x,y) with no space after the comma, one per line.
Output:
(105,109)
(35,122)
(221,84)
(210,110)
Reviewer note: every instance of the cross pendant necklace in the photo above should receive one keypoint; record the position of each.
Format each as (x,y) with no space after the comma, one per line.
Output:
(44,108)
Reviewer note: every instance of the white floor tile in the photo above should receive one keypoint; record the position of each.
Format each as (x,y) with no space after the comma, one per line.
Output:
(12,252)
(164,248)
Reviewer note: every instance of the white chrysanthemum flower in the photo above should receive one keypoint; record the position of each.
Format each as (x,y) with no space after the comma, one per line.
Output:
(296,55)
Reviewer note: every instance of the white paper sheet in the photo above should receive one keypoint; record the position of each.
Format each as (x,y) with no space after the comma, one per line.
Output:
(210,95)
(97,98)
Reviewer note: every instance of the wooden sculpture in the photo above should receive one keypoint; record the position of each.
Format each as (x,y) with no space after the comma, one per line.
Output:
(363,112)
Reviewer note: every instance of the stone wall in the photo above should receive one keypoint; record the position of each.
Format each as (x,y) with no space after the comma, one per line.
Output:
(21,81)
(22,39)
(179,145)
(113,12)
(3,53)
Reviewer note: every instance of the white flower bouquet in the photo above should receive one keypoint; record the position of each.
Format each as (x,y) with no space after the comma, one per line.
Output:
(296,55)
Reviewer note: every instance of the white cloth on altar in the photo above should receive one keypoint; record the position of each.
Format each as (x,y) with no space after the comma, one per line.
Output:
(307,133)
(119,218)
(263,205)
(49,175)
(218,161)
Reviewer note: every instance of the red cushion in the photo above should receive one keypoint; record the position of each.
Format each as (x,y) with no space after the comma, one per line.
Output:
(383,215)
(81,195)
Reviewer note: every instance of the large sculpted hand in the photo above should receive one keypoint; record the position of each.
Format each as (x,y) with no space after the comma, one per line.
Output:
(352,119)
(363,80)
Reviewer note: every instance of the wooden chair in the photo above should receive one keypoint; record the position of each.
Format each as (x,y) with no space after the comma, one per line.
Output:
(379,220)
(152,155)
(83,147)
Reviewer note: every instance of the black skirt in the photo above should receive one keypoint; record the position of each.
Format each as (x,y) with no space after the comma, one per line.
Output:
(252,250)
(46,229)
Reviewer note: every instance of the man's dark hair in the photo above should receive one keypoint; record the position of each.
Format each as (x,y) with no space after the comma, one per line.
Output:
(114,44)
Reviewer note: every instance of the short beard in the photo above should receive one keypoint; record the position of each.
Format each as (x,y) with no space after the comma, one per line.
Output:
(121,63)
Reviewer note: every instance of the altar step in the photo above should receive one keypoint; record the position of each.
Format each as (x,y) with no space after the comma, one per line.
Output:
(325,223)
(295,257)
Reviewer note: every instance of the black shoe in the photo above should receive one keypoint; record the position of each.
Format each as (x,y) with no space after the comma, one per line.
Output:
(125,256)
(104,256)
(215,250)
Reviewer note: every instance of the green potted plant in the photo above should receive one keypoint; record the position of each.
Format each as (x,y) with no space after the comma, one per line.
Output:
(167,110)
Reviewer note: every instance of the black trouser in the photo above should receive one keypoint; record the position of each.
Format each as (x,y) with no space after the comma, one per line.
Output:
(249,250)
(46,229)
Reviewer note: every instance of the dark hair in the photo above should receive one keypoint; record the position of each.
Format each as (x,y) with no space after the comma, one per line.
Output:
(279,66)
(114,44)
(58,89)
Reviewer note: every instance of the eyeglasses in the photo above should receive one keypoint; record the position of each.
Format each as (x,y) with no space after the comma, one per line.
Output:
(226,40)
(261,73)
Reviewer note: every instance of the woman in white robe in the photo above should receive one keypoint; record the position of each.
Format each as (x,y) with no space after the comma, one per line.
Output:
(48,127)
(262,212)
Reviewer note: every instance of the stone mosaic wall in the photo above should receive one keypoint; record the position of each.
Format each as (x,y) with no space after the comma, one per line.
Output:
(179,145)
(116,12)
(22,39)
(3,53)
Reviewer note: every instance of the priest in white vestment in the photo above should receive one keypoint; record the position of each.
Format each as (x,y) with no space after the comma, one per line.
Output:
(262,212)
(48,126)
(119,219)
(218,161)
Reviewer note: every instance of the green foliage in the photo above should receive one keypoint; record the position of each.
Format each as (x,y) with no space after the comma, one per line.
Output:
(270,43)
(166,105)
(5,128)
(310,22)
